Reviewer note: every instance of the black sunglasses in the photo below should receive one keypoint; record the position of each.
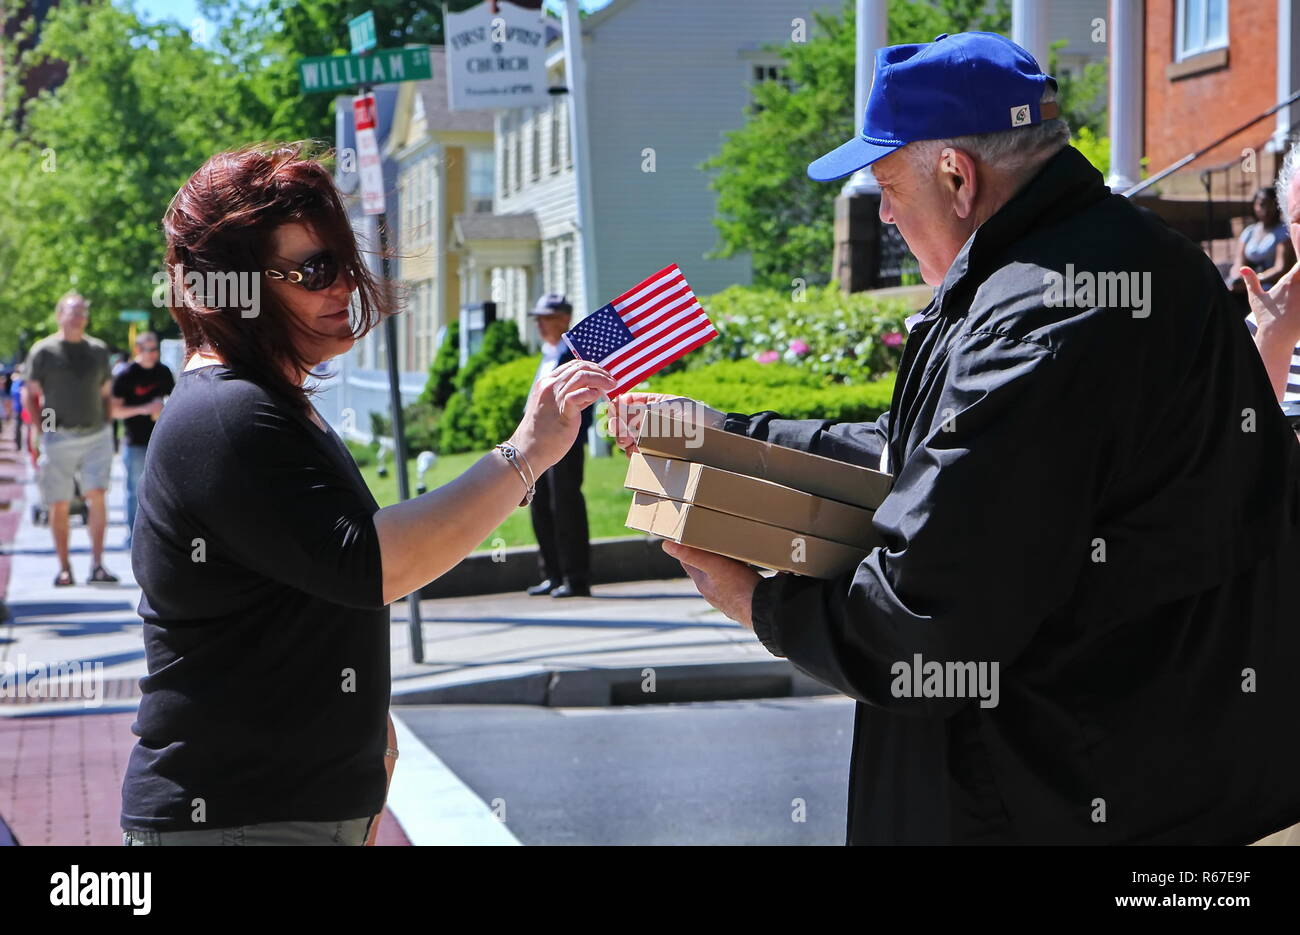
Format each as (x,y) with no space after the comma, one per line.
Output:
(315,273)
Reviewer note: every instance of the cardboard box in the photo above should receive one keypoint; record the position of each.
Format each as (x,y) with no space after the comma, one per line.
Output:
(742,539)
(751,498)
(665,433)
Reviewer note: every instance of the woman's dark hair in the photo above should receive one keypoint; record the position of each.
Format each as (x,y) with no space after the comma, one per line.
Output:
(222,221)
(1269,194)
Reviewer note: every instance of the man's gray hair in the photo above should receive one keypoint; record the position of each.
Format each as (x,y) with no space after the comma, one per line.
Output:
(1008,150)
(1284,177)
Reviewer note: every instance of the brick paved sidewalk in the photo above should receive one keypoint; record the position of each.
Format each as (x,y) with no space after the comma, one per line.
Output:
(61,779)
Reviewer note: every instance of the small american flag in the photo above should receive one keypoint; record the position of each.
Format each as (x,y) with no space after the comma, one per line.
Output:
(644,330)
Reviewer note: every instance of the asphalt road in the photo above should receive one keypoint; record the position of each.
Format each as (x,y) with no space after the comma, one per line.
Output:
(738,772)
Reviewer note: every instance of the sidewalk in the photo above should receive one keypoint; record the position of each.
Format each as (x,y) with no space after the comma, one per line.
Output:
(60,772)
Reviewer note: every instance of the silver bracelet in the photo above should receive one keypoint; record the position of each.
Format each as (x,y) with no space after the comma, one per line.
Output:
(390,753)
(514,456)
(532,475)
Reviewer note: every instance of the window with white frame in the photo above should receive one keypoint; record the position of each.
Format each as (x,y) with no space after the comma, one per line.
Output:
(407,198)
(499,147)
(535,144)
(1202,26)
(771,72)
(507,153)
(553,162)
(517,153)
(563,271)
(427,168)
(565,138)
(480,182)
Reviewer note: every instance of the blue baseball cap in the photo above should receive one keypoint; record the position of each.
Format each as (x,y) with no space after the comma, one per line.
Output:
(960,85)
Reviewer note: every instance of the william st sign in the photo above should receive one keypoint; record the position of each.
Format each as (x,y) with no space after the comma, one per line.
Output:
(382,66)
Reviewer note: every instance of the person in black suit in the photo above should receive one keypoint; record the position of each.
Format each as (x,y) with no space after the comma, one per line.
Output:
(558,509)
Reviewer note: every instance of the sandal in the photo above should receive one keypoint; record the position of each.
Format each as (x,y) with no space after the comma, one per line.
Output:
(101,575)
(63,579)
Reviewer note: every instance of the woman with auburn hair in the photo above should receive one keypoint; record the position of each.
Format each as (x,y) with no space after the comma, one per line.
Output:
(266,566)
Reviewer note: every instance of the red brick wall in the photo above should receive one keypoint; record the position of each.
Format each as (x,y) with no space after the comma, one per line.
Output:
(1185,114)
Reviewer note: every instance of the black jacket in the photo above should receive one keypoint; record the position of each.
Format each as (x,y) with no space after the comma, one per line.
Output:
(1105,504)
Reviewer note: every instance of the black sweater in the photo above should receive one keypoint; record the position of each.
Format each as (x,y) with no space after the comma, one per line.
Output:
(264,623)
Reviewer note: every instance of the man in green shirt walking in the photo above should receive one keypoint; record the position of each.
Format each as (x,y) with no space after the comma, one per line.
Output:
(68,395)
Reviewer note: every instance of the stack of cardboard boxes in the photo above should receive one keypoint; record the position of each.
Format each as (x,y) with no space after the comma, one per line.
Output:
(750,500)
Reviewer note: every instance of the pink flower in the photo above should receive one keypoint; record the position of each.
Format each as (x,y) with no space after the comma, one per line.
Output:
(799,347)
(892,339)
(767,357)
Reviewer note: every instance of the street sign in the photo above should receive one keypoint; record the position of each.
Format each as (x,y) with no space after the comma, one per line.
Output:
(341,72)
(362,30)
(132,314)
(369,168)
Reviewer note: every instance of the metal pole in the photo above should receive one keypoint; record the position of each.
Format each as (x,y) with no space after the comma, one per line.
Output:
(872,34)
(576,79)
(398,421)
(1125,34)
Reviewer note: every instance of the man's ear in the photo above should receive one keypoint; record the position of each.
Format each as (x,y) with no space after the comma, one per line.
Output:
(957,175)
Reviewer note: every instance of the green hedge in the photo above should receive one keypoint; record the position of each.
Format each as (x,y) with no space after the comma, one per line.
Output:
(462,427)
(747,386)
(500,396)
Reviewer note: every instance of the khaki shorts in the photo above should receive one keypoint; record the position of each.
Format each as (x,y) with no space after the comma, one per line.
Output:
(65,456)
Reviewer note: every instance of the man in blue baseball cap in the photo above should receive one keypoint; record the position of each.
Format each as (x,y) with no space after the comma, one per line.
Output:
(967,89)
(1077,629)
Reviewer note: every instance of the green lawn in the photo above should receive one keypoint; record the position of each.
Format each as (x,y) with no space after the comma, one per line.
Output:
(607,501)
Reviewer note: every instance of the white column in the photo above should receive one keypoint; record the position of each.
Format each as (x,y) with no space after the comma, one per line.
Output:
(1029,28)
(576,79)
(1288,71)
(443,219)
(872,34)
(1127,92)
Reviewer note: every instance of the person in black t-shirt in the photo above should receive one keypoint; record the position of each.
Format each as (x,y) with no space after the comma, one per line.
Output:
(140,388)
(266,566)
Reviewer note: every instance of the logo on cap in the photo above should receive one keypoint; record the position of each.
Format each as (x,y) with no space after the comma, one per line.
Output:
(1020,115)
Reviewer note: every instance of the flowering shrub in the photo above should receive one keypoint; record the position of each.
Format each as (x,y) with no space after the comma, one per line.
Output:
(748,387)
(851,339)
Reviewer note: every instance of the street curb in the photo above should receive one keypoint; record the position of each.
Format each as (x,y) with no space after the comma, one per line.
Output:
(602,688)
(626,558)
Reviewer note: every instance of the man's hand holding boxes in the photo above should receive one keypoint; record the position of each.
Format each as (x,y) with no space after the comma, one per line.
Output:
(698,485)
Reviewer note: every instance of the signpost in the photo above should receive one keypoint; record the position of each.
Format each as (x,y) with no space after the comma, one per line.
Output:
(361,29)
(361,70)
(369,168)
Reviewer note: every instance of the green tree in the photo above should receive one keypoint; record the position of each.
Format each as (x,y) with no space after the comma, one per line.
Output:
(442,371)
(767,205)
(88,175)
(264,39)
